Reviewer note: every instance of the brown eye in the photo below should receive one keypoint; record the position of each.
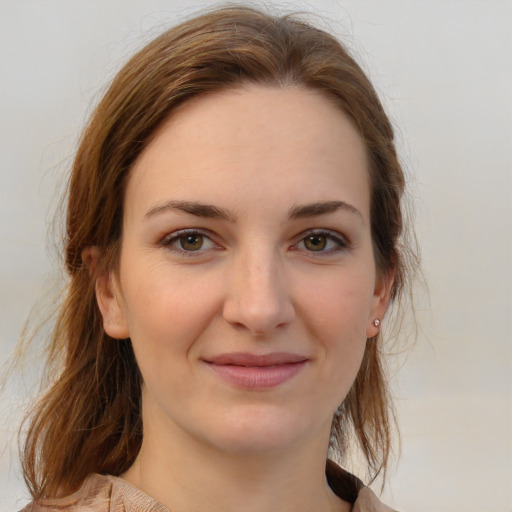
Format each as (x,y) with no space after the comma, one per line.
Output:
(191,242)
(188,242)
(323,242)
(315,242)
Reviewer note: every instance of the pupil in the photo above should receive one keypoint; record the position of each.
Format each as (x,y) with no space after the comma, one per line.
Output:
(191,242)
(316,242)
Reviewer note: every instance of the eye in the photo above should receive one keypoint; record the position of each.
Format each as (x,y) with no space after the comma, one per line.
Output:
(321,242)
(191,242)
(315,242)
(188,241)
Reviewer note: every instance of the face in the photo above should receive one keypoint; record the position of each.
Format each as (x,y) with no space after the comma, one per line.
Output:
(247,282)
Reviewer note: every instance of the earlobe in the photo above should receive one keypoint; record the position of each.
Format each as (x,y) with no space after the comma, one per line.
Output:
(108,296)
(381,299)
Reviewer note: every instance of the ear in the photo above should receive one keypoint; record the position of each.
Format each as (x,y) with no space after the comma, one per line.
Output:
(380,303)
(108,296)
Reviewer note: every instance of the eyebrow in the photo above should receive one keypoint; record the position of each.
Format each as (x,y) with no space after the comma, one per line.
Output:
(214,212)
(197,209)
(322,208)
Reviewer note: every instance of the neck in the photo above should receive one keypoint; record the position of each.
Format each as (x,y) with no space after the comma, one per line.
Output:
(187,475)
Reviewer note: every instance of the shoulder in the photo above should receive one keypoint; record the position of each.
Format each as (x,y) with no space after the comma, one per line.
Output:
(351,489)
(94,495)
(368,502)
(100,493)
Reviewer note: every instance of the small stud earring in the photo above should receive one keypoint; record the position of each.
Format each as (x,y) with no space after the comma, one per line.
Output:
(376,322)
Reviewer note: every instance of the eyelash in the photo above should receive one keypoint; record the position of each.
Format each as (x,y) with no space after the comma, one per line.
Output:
(175,237)
(340,243)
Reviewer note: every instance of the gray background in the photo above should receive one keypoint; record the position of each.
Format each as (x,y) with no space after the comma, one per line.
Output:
(444,70)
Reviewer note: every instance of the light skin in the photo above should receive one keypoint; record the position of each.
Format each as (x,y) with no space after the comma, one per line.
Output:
(248,287)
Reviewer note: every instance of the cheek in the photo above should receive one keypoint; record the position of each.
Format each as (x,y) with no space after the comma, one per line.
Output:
(336,314)
(339,305)
(166,310)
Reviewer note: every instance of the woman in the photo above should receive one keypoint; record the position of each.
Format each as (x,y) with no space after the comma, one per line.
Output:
(233,243)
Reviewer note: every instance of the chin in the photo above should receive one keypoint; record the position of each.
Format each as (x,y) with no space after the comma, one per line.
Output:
(260,432)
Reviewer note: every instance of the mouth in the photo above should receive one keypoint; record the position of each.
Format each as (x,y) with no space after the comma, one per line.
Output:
(254,371)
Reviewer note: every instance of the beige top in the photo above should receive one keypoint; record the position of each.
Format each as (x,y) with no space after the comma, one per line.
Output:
(106,493)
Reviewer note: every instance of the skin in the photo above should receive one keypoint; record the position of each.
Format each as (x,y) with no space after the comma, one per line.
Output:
(261,272)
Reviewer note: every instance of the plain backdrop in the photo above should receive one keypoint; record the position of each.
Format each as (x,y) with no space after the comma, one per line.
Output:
(444,71)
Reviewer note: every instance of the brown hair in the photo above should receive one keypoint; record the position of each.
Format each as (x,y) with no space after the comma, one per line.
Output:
(90,419)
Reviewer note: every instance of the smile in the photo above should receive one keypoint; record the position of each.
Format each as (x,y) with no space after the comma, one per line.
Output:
(251,371)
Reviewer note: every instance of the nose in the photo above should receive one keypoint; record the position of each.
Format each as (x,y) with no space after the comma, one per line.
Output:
(259,296)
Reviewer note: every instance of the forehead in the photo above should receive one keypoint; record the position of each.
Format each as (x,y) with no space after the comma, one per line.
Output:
(255,142)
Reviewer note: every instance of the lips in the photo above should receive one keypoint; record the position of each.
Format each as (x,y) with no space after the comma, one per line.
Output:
(256,371)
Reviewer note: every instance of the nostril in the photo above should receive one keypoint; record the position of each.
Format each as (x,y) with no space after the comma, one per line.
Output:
(258,296)
(259,318)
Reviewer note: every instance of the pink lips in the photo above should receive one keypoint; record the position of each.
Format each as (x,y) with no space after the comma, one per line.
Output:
(254,371)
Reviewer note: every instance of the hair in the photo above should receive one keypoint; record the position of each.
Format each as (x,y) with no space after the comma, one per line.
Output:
(90,418)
